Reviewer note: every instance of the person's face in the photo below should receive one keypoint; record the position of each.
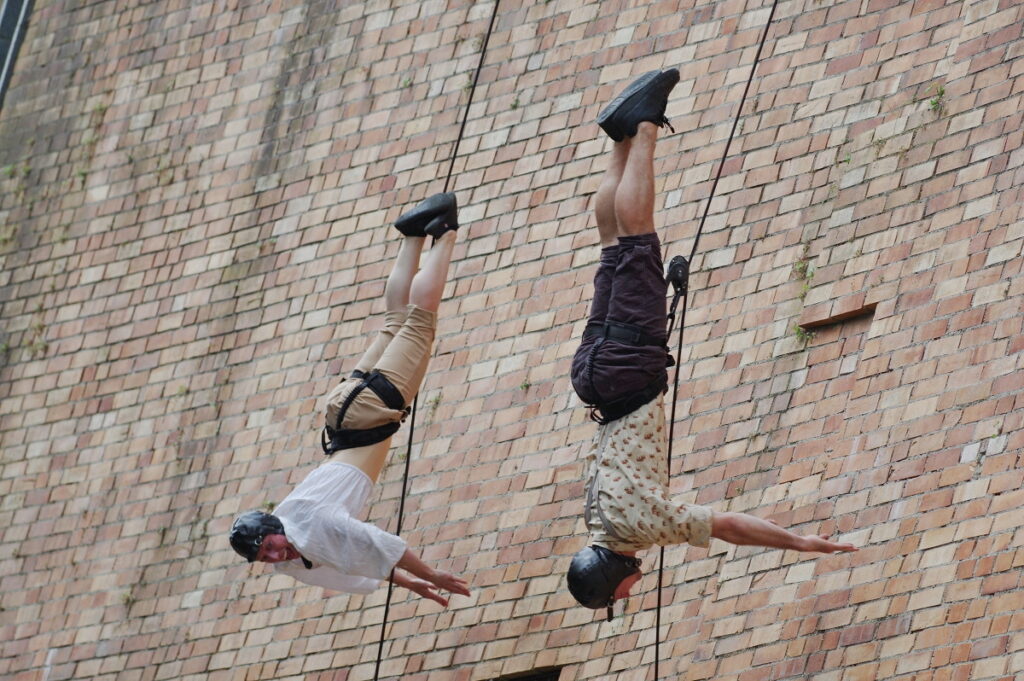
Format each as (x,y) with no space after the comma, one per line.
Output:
(622,591)
(276,549)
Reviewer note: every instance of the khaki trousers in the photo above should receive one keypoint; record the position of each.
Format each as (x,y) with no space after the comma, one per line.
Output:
(401,351)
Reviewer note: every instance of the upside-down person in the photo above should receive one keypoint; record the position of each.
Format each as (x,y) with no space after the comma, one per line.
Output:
(316,533)
(620,371)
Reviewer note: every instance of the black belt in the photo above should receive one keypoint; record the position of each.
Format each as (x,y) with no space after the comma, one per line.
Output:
(622,333)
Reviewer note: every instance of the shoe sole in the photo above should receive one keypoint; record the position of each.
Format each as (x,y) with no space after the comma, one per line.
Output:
(415,222)
(604,119)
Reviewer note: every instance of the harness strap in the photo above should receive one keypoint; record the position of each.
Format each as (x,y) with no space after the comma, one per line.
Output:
(333,440)
(593,494)
(381,386)
(386,391)
(593,501)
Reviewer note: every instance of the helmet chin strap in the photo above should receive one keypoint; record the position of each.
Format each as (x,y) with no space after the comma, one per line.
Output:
(610,613)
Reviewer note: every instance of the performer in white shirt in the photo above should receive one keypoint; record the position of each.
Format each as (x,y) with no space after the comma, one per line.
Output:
(317,534)
(619,371)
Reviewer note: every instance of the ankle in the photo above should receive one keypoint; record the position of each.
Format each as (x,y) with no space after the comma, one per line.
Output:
(445,240)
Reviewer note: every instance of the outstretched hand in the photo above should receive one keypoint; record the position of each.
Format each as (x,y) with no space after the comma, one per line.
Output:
(425,589)
(429,589)
(429,580)
(449,582)
(821,544)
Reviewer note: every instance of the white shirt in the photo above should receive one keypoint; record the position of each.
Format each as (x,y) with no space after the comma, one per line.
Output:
(321,519)
(628,505)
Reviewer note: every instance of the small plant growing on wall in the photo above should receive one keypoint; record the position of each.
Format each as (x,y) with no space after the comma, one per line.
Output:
(802,334)
(432,405)
(937,103)
(804,271)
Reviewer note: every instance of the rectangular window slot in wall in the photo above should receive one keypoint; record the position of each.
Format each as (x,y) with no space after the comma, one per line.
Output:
(546,674)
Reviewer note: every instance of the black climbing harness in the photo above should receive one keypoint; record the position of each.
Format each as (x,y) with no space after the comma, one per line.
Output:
(333,439)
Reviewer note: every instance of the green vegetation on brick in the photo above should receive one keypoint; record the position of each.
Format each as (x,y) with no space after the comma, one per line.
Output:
(802,334)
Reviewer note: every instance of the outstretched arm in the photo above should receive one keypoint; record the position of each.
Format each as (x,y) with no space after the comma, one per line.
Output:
(747,530)
(433,579)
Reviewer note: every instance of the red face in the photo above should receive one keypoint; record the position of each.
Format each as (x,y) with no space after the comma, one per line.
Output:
(622,591)
(276,549)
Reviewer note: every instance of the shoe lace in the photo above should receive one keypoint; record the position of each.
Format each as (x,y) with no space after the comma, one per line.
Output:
(664,121)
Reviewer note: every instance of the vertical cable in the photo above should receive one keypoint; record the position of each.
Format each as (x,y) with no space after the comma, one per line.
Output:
(415,402)
(682,319)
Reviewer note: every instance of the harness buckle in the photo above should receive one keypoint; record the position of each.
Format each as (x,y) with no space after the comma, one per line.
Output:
(679,274)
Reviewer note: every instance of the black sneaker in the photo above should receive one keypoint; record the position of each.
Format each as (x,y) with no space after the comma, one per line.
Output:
(644,100)
(433,216)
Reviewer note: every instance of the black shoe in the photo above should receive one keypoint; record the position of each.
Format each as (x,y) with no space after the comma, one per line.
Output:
(433,216)
(644,100)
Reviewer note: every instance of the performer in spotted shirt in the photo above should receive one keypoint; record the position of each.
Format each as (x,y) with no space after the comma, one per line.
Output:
(621,372)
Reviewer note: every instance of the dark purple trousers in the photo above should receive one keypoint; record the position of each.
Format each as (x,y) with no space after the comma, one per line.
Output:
(629,289)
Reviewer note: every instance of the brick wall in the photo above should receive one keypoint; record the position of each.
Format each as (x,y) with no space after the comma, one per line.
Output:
(193,230)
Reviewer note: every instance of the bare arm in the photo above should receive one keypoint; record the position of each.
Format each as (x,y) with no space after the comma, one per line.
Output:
(411,563)
(746,530)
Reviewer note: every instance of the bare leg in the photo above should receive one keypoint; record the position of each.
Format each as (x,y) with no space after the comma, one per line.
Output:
(396,291)
(428,284)
(396,300)
(634,198)
(604,201)
(746,530)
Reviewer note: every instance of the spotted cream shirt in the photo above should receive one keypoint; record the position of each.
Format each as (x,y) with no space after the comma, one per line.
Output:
(628,504)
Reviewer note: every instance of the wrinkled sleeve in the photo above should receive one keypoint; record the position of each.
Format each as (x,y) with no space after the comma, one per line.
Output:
(686,523)
(360,549)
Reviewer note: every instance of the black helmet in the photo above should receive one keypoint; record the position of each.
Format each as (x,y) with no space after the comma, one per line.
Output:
(249,530)
(595,573)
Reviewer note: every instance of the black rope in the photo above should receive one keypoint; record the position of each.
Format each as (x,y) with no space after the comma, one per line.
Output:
(732,133)
(415,402)
(682,318)
(472,91)
(401,514)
